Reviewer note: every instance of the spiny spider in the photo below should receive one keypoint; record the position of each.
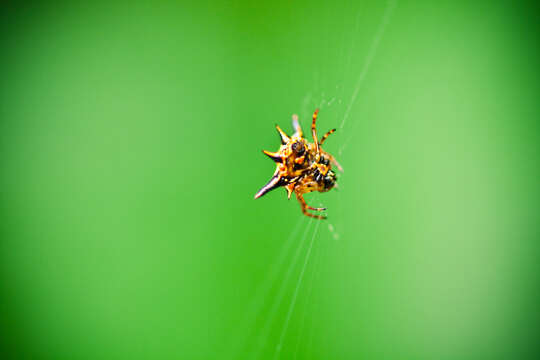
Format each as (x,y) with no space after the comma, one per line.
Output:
(302,167)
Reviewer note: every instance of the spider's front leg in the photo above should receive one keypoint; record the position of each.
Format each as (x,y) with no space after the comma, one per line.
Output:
(325,136)
(314,130)
(334,161)
(305,206)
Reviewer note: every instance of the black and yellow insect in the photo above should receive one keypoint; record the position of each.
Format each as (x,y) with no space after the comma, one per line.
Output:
(302,167)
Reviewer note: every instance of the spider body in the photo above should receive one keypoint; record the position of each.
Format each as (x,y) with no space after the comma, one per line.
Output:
(302,167)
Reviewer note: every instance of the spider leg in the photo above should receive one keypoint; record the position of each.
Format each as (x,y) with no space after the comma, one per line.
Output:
(334,161)
(325,136)
(296,126)
(289,189)
(305,206)
(314,130)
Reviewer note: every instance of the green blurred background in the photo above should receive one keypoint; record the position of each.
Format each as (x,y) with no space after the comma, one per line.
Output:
(130,153)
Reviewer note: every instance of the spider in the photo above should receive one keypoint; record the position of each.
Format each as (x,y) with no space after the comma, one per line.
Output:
(302,167)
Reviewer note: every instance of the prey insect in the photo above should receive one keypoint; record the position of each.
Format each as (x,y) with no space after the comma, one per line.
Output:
(302,167)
